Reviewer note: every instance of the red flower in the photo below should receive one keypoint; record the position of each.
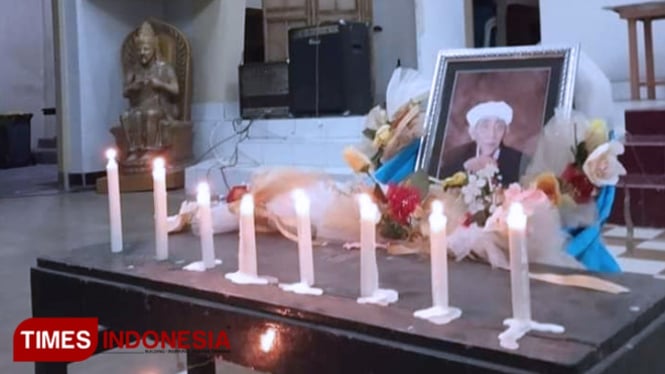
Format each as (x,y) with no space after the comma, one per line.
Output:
(468,219)
(575,179)
(402,201)
(236,193)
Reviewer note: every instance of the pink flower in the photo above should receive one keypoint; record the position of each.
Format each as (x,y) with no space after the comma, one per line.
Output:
(530,198)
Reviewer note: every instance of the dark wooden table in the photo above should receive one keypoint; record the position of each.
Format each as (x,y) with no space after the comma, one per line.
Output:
(332,333)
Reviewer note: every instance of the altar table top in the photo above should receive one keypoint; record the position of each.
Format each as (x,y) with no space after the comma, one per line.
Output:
(601,328)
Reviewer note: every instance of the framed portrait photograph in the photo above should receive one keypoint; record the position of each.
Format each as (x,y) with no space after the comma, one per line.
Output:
(489,106)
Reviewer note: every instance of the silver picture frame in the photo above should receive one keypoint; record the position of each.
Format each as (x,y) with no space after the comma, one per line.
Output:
(564,58)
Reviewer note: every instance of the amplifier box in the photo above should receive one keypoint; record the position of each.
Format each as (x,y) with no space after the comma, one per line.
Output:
(264,90)
(330,69)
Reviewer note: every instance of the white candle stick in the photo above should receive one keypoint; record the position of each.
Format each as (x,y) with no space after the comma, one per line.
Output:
(247,263)
(115,215)
(369,272)
(440,313)
(205,226)
(159,195)
(521,323)
(305,255)
(519,265)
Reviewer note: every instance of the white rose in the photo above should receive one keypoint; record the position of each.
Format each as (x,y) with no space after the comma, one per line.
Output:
(602,166)
(376,118)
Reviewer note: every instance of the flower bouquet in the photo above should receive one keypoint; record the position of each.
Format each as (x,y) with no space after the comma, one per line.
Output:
(573,175)
(388,131)
(566,191)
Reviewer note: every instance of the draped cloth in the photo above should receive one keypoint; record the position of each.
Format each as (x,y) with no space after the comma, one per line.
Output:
(585,243)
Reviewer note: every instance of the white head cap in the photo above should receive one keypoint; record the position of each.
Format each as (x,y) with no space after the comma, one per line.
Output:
(490,109)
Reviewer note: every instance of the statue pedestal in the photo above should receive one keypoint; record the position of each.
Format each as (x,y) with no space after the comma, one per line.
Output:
(141,182)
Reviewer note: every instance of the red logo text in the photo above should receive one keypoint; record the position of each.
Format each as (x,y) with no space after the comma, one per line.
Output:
(177,340)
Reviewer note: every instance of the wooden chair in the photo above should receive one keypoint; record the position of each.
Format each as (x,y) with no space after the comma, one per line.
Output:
(645,12)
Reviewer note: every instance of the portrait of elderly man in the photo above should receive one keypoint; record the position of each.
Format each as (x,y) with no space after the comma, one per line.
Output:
(488,123)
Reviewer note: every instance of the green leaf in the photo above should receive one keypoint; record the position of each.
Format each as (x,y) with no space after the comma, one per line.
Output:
(378,193)
(369,133)
(390,229)
(376,159)
(419,180)
(581,154)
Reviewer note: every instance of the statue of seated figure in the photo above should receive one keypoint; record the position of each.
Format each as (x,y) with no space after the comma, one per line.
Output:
(157,73)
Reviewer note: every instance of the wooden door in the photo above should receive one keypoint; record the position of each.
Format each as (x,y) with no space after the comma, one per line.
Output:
(278,17)
(281,15)
(335,10)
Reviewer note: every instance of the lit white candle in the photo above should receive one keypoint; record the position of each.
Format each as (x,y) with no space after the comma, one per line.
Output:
(305,255)
(115,216)
(369,273)
(247,255)
(247,264)
(439,257)
(159,194)
(440,312)
(521,323)
(205,226)
(519,262)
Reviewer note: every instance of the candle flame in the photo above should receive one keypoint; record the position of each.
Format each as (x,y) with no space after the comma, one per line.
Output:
(368,210)
(301,201)
(516,216)
(437,220)
(247,204)
(437,207)
(111,154)
(158,163)
(268,339)
(203,188)
(202,192)
(364,199)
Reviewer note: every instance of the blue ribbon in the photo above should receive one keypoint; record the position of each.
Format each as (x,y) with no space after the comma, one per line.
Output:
(400,166)
(585,244)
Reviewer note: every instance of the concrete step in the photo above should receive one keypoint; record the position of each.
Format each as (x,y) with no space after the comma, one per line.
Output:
(646,205)
(308,128)
(221,178)
(307,153)
(45,155)
(645,121)
(644,157)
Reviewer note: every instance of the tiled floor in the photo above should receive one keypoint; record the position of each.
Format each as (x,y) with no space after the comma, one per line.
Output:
(648,255)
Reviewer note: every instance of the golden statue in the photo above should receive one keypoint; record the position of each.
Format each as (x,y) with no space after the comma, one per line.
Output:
(156,60)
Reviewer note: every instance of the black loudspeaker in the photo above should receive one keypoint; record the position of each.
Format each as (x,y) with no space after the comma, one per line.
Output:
(330,69)
(264,90)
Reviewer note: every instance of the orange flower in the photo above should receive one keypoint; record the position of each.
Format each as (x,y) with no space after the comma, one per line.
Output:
(356,160)
(549,184)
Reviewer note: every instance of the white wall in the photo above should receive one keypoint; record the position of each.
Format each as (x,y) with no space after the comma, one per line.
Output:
(396,41)
(91,35)
(440,24)
(23,39)
(102,27)
(602,34)
(218,32)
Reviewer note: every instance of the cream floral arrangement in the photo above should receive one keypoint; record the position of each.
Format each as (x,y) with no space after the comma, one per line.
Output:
(575,158)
